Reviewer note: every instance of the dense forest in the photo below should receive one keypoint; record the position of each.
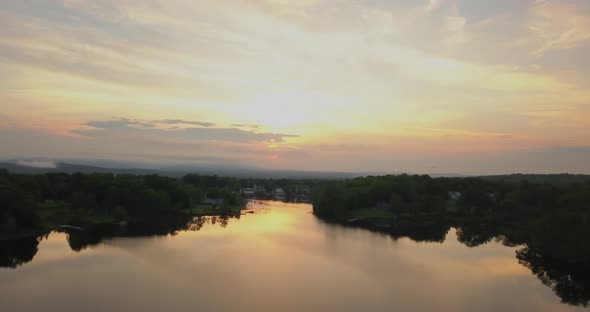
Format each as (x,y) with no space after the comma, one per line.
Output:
(45,201)
(396,196)
(555,179)
(549,222)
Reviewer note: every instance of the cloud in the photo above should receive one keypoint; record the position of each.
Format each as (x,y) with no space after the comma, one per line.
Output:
(432,5)
(399,154)
(233,69)
(245,126)
(138,123)
(116,141)
(37,163)
(206,131)
(185,122)
(559,26)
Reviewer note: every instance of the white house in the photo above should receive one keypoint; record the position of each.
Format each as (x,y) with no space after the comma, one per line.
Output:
(454,195)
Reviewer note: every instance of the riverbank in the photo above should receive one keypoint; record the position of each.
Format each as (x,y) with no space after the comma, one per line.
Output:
(212,210)
(21,235)
(58,216)
(383,221)
(419,227)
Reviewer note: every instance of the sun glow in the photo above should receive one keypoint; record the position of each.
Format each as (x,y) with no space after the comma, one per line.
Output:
(290,110)
(314,80)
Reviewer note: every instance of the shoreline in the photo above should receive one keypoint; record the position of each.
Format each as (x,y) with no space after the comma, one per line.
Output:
(90,226)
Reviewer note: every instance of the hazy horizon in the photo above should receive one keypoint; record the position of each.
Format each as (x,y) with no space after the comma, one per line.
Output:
(225,169)
(439,86)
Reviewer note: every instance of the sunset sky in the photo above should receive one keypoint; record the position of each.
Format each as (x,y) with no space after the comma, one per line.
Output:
(447,86)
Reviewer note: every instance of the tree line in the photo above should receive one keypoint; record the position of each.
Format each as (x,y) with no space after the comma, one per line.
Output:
(407,195)
(42,201)
(550,222)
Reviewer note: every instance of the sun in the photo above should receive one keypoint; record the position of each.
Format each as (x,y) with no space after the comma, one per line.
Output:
(284,111)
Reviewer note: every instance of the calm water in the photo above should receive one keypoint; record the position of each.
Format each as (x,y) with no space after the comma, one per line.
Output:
(279,259)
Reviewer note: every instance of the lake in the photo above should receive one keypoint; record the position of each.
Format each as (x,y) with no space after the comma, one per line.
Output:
(279,258)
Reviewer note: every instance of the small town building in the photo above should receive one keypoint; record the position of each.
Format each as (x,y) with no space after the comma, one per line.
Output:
(279,194)
(247,192)
(454,195)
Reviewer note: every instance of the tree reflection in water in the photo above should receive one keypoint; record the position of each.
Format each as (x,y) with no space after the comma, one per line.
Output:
(569,280)
(561,261)
(82,239)
(197,223)
(553,248)
(16,252)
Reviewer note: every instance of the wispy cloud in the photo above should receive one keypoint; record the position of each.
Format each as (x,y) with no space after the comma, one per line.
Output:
(559,25)
(185,122)
(433,5)
(236,77)
(204,132)
(245,126)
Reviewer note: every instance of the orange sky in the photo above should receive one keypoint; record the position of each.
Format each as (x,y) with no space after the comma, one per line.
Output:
(439,86)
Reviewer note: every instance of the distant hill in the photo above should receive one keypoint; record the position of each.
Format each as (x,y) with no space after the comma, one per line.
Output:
(556,179)
(21,167)
(70,168)
(250,172)
(178,171)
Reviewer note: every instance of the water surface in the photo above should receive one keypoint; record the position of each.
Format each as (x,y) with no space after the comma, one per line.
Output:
(281,258)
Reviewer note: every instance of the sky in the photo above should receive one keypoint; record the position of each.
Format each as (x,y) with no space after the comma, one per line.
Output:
(431,86)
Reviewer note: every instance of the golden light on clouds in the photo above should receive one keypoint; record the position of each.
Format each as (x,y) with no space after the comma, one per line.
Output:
(305,82)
